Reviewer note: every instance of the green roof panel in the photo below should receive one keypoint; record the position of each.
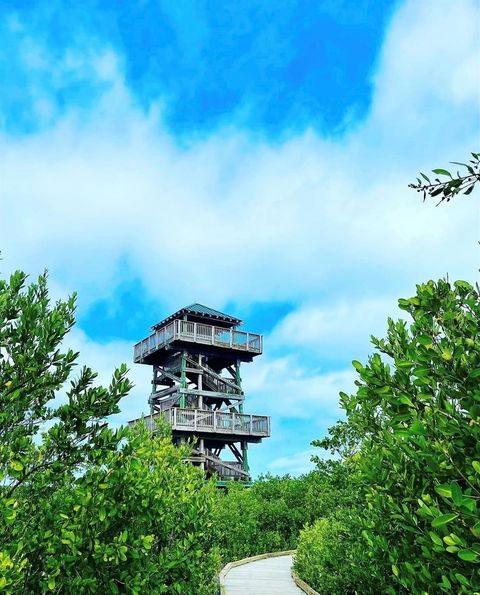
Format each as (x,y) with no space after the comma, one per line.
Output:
(200,310)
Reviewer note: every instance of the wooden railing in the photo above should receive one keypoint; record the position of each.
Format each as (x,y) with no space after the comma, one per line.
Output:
(232,469)
(195,332)
(218,422)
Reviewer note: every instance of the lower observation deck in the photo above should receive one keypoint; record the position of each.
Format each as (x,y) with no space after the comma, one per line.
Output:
(194,332)
(201,421)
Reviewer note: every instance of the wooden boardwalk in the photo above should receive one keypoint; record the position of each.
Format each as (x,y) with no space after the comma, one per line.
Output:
(271,576)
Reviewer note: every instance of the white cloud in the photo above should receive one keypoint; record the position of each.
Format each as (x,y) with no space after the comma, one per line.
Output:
(429,60)
(286,389)
(232,218)
(295,464)
(334,331)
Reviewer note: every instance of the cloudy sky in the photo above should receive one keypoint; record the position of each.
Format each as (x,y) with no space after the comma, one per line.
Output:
(252,156)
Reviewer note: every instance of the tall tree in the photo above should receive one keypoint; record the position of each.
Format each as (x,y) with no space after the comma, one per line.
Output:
(86,508)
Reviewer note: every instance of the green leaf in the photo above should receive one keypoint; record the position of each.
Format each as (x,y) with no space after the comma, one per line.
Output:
(467,555)
(456,493)
(403,365)
(446,355)
(469,503)
(357,365)
(476,466)
(476,529)
(404,400)
(435,538)
(445,582)
(425,340)
(147,541)
(444,490)
(462,579)
(425,177)
(441,172)
(443,519)
(449,541)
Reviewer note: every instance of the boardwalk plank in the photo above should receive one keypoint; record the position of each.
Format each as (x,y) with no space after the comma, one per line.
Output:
(271,576)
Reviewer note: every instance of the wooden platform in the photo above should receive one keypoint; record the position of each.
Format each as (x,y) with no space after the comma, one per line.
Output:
(271,576)
(203,421)
(182,331)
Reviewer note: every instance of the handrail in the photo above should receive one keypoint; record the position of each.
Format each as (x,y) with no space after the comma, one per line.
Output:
(222,385)
(206,420)
(196,332)
(225,468)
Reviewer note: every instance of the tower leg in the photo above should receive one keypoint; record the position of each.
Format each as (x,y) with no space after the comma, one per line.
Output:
(201,448)
(244,445)
(183,377)
(245,456)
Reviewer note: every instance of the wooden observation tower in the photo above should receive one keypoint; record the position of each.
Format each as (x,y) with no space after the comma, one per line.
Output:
(196,355)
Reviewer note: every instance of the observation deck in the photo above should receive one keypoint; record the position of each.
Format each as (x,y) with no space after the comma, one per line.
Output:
(244,426)
(184,331)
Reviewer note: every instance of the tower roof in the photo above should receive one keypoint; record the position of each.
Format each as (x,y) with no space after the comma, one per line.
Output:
(202,312)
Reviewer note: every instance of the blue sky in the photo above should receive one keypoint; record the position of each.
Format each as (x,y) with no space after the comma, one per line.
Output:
(275,68)
(252,156)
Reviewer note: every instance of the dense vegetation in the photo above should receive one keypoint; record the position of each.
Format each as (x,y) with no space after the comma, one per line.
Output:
(412,441)
(268,516)
(86,508)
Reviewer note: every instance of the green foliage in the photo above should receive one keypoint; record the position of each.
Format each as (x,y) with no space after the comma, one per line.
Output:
(264,518)
(136,521)
(331,558)
(415,420)
(86,508)
(451,185)
(269,516)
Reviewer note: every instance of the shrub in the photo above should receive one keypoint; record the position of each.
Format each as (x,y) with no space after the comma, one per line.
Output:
(415,421)
(269,516)
(265,517)
(138,522)
(332,560)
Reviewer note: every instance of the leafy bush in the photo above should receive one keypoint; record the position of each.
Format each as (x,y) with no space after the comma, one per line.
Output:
(268,516)
(263,518)
(86,508)
(332,560)
(414,430)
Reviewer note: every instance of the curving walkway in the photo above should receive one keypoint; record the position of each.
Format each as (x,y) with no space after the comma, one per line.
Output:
(270,576)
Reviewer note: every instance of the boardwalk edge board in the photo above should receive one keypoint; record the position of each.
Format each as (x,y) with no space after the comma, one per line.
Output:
(301,584)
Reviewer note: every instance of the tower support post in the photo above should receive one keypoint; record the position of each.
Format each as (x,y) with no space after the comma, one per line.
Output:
(244,445)
(183,377)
